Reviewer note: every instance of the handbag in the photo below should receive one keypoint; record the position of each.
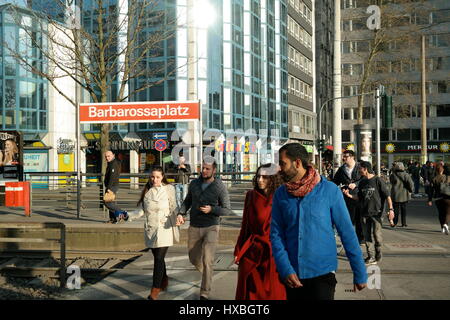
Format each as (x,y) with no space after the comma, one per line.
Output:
(444,187)
(109,196)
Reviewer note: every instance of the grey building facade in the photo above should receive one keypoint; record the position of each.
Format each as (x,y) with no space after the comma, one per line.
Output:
(398,68)
(301,68)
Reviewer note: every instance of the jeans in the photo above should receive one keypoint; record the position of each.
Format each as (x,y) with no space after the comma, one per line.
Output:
(112,206)
(371,227)
(416,185)
(202,244)
(318,288)
(400,208)
(181,191)
(159,268)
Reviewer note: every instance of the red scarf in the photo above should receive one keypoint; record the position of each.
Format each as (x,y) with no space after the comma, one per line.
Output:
(305,185)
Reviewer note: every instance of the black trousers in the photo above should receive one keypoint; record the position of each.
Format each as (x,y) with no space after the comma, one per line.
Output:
(443,206)
(159,268)
(319,288)
(356,220)
(400,209)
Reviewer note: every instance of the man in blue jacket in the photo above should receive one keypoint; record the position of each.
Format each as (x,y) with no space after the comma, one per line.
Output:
(304,211)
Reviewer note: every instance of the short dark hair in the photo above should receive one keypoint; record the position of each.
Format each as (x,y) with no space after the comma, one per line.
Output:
(295,151)
(350,152)
(366,165)
(210,160)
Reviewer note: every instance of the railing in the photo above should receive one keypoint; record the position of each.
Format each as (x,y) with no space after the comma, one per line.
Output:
(60,189)
(31,226)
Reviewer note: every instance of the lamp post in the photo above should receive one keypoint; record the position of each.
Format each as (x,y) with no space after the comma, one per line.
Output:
(320,119)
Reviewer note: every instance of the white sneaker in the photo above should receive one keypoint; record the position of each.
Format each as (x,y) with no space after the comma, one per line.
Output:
(445,229)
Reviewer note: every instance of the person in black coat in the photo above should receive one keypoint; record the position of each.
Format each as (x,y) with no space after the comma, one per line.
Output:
(112,183)
(348,177)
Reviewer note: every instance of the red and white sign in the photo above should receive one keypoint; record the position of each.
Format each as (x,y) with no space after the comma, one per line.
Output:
(160,145)
(124,112)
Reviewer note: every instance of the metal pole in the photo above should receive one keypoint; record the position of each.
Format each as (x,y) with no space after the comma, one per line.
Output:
(377,121)
(320,137)
(200,129)
(337,124)
(423,153)
(78,159)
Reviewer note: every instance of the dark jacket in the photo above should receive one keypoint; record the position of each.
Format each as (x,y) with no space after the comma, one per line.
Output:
(435,190)
(112,175)
(183,174)
(428,173)
(341,178)
(215,195)
(401,186)
(415,172)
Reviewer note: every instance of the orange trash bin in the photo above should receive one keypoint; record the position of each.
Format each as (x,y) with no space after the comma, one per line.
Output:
(17,194)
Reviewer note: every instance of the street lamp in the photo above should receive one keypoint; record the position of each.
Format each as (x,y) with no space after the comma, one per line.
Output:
(319,120)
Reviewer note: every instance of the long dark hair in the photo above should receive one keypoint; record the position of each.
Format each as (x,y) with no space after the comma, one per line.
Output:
(149,184)
(274,181)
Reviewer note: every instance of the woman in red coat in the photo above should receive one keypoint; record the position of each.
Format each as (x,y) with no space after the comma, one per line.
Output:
(257,277)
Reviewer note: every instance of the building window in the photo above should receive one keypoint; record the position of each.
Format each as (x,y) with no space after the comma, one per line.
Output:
(299,33)
(345,135)
(403,135)
(299,88)
(443,110)
(299,60)
(444,133)
(352,69)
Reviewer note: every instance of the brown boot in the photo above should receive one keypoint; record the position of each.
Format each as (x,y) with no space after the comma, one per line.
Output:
(164,283)
(154,294)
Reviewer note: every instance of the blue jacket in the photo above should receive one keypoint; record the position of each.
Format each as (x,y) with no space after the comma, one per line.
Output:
(302,234)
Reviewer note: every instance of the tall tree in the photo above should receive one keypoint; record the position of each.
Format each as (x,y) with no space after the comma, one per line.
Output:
(400,24)
(104,46)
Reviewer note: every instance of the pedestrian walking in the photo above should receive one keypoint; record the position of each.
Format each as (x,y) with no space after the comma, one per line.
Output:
(415,175)
(347,177)
(258,278)
(207,199)
(111,183)
(183,171)
(372,194)
(401,188)
(441,191)
(160,227)
(305,211)
(428,173)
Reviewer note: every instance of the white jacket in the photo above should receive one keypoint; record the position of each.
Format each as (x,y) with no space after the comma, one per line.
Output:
(160,210)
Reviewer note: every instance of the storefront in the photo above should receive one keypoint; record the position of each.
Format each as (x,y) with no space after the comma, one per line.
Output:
(409,151)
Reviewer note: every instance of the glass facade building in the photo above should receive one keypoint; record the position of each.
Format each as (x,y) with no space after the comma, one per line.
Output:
(23,94)
(241,66)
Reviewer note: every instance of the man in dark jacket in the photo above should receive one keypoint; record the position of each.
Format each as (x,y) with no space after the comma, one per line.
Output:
(112,183)
(415,175)
(207,199)
(428,173)
(348,177)
(183,171)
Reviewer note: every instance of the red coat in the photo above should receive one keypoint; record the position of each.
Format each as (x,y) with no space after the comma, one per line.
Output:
(257,276)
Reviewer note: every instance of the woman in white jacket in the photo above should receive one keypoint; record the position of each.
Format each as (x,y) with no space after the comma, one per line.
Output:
(160,228)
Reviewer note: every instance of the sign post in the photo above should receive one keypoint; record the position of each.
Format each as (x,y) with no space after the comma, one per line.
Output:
(141,112)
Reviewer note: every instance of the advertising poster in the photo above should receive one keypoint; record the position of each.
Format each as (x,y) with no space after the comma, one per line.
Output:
(11,156)
(36,162)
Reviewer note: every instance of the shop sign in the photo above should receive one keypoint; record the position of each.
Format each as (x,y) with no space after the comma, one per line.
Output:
(65,146)
(126,112)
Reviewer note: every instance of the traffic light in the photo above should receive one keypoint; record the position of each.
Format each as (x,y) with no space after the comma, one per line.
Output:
(386,111)
(321,146)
